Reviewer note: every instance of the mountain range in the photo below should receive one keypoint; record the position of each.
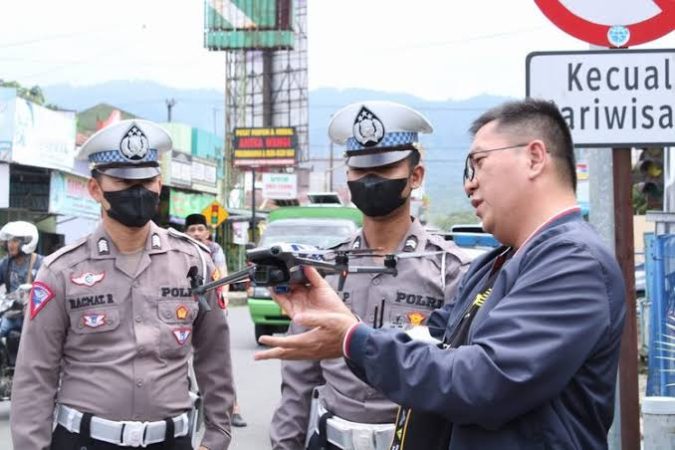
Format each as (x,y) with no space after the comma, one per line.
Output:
(203,108)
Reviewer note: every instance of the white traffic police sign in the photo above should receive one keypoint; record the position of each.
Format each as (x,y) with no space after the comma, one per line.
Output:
(609,98)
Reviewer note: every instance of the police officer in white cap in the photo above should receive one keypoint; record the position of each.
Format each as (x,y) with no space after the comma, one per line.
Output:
(323,404)
(112,321)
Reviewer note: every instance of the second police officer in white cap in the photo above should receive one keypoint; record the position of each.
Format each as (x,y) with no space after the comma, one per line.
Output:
(323,404)
(112,321)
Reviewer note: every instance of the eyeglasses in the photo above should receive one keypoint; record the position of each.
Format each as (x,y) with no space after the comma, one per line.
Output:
(469,168)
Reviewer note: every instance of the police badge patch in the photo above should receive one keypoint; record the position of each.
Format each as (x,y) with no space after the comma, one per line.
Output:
(103,248)
(182,335)
(88,279)
(182,312)
(93,320)
(156,242)
(39,297)
(134,145)
(368,128)
(416,318)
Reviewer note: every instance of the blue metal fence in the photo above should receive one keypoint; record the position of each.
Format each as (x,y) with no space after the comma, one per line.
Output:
(660,289)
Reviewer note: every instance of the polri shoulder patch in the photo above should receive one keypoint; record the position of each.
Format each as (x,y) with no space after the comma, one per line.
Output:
(40,295)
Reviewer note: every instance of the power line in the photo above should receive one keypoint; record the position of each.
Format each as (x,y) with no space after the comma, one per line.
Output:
(49,38)
(462,40)
(418,107)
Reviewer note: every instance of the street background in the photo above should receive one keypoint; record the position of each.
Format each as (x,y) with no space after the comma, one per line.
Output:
(257,384)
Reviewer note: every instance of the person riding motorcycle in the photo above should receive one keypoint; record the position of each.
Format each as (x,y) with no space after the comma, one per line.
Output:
(19,267)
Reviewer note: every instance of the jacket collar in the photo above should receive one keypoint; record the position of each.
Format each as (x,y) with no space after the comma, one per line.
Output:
(101,246)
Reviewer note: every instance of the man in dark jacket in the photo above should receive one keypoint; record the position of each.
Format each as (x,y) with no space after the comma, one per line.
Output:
(531,346)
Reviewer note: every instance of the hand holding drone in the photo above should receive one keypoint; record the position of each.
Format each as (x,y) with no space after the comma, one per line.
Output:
(281,264)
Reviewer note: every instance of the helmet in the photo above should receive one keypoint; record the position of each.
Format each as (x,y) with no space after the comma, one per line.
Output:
(21,230)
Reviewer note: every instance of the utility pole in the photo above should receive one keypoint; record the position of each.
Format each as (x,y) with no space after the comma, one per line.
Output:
(330,175)
(170,103)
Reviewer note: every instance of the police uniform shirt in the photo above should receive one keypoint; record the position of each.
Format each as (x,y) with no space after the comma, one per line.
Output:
(122,335)
(383,300)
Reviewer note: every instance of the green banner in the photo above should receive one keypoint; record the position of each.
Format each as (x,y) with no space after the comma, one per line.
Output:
(182,204)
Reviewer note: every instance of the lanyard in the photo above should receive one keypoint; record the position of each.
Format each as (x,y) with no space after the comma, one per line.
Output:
(459,334)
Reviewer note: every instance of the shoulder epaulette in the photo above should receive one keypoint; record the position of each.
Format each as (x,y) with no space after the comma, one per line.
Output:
(49,259)
(339,244)
(450,247)
(177,234)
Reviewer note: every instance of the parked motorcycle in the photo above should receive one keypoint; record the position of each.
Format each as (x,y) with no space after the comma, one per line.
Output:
(13,306)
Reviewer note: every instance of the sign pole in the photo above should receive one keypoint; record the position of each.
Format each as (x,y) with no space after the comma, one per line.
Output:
(625,254)
(253,204)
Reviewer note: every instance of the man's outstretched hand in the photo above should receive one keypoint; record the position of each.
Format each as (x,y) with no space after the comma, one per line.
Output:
(317,307)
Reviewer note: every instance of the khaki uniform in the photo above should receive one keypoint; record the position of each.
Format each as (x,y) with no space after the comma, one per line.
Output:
(118,337)
(423,284)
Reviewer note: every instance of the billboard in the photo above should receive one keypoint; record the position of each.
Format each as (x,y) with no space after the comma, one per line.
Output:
(264,147)
(248,24)
(7,105)
(42,137)
(280,186)
(68,196)
(33,135)
(182,203)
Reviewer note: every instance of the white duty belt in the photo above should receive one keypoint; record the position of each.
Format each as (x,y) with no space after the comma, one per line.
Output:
(124,433)
(349,435)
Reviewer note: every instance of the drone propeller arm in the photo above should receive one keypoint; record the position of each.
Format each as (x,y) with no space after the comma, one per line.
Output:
(241,275)
(319,264)
(364,269)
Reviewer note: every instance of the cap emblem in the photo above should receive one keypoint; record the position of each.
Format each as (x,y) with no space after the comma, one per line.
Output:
(134,145)
(368,128)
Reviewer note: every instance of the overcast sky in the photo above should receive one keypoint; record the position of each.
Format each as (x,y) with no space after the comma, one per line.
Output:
(428,48)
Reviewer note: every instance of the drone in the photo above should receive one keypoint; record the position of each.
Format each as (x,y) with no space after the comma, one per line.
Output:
(280,265)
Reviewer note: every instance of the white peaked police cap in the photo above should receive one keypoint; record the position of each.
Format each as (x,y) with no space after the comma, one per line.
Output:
(377,133)
(128,149)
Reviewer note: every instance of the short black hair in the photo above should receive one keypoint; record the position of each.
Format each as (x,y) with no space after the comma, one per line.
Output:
(540,118)
(414,158)
(195,219)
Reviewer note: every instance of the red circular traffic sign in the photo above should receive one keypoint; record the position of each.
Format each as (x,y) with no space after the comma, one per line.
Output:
(605,35)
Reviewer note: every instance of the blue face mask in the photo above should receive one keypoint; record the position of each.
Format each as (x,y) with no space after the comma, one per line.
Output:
(134,206)
(376,196)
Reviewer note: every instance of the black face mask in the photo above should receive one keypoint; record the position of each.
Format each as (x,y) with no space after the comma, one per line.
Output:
(376,196)
(133,206)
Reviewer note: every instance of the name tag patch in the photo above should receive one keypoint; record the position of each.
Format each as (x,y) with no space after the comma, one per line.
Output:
(176,292)
(90,300)
(419,300)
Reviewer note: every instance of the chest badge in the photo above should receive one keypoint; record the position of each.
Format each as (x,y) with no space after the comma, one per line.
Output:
(88,279)
(416,318)
(93,320)
(182,335)
(182,312)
